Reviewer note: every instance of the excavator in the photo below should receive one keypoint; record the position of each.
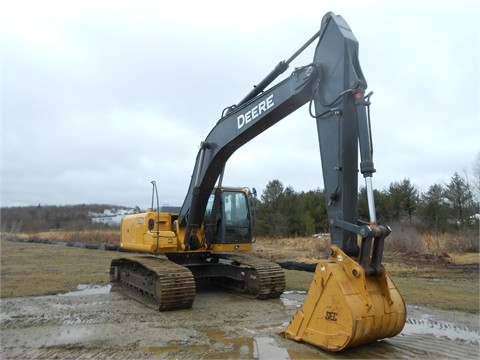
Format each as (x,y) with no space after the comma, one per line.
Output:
(351,300)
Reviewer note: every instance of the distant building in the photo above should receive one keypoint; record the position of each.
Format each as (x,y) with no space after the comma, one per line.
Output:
(110,216)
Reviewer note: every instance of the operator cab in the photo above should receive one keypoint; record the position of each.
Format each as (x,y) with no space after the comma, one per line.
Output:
(228,219)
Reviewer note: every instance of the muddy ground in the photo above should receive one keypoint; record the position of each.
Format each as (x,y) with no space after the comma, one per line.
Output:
(56,302)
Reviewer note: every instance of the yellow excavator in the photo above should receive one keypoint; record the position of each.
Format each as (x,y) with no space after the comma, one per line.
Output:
(351,300)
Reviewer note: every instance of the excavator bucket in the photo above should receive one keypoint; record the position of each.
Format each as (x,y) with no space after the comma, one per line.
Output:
(345,308)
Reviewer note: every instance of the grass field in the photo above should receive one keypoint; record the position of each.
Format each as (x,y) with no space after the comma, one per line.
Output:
(449,281)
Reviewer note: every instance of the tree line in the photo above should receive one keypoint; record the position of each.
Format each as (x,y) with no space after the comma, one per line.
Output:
(283,212)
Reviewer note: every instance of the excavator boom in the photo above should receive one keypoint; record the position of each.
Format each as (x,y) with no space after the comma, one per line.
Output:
(234,130)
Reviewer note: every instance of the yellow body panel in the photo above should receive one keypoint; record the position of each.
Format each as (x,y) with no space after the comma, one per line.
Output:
(344,308)
(231,247)
(166,237)
(136,235)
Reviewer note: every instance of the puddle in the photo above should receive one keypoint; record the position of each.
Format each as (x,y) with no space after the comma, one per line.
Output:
(83,289)
(446,330)
(230,346)
(4,317)
(265,348)
(272,327)
(65,335)
(242,348)
(74,333)
(173,349)
(293,298)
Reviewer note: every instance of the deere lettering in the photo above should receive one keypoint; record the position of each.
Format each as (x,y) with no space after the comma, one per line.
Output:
(255,112)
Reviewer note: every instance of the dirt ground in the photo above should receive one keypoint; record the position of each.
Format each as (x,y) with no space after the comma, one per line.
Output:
(56,302)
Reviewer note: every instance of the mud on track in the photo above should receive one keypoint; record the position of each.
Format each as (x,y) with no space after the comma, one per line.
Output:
(102,323)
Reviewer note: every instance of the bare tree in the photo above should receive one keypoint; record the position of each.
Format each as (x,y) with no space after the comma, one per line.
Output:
(476,178)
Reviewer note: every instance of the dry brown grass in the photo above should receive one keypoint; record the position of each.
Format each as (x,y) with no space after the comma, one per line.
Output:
(297,249)
(89,237)
(453,248)
(402,240)
(440,243)
(39,269)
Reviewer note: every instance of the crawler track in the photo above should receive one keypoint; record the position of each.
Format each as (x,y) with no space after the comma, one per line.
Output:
(257,278)
(155,280)
(169,284)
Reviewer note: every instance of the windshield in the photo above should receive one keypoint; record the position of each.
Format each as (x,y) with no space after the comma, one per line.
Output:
(227,218)
(236,208)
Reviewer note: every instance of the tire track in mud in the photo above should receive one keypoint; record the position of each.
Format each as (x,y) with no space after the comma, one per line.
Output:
(73,351)
(438,328)
(428,346)
(52,313)
(427,338)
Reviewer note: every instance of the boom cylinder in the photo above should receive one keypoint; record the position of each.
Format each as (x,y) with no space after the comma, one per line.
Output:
(277,71)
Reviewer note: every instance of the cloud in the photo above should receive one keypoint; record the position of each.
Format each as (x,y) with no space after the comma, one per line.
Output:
(100,98)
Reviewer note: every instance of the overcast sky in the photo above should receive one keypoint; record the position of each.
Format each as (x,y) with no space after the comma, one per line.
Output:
(99,98)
